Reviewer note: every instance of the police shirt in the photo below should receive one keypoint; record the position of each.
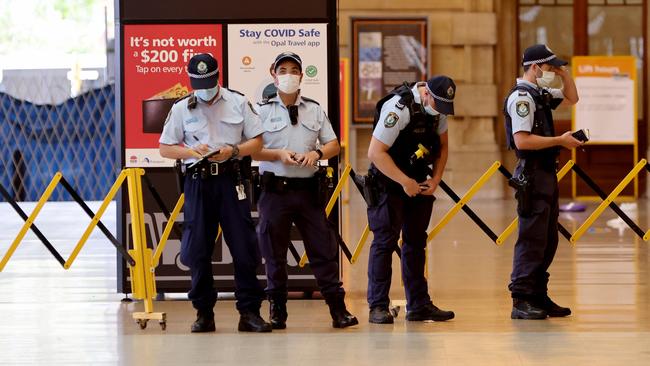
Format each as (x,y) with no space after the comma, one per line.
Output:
(521,106)
(230,119)
(313,127)
(394,117)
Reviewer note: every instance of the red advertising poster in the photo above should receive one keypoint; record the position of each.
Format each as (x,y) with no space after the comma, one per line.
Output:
(155,59)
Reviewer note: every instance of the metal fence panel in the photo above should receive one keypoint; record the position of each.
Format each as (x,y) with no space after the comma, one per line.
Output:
(76,137)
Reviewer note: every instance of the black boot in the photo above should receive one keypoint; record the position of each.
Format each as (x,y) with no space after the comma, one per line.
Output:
(380,315)
(204,322)
(526,309)
(429,312)
(341,318)
(552,309)
(278,312)
(251,321)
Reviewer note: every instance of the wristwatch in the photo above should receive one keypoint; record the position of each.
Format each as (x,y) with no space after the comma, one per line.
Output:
(320,153)
(235,151)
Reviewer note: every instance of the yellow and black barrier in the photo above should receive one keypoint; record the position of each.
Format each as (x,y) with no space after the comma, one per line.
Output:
(608,201)
(139,259)
(328,209)
(143,273)
(143,260)
(461,203)
(95,221)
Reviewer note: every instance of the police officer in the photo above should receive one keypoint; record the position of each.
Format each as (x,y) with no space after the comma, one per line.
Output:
(209,119)
(294,128)
(409,135)
(530,132)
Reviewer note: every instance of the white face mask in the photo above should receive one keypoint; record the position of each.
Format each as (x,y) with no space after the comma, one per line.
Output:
(288,83)
(429,109)
(207,94)
(546,79)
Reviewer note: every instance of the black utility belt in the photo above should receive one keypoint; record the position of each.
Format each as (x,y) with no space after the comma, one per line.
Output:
(549,165)
(210,169)
(272,182)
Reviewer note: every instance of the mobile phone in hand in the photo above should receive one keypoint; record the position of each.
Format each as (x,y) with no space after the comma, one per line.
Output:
(581,135)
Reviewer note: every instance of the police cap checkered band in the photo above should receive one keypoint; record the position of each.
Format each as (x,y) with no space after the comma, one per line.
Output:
(203,76)
(540,61)
(443,90)
(287,55)
(540,54)
(435,96)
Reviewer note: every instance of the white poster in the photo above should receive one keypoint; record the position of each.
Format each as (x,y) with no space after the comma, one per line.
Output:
(252,48)
(606,108)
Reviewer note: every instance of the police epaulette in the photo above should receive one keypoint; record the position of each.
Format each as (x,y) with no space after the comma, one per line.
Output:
(309,100)
(267,99)
(523,93)
(191,103)
(183,97)
(236,92)
(399,105)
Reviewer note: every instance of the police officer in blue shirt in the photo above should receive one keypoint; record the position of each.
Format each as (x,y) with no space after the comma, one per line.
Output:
(209,119)
(294,128)
(410,134)
(530,132)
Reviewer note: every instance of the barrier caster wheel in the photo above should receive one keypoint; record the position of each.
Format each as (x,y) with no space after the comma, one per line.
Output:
(163,325)
(142,323)
(394,311)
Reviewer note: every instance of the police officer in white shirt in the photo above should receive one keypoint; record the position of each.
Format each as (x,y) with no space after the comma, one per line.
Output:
(297,134)
(530,132)
(410,134)
(209,119)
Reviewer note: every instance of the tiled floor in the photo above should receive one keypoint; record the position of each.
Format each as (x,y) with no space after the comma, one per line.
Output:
(51,316)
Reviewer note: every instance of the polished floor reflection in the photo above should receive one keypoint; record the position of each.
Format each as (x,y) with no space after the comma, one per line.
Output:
(51,316)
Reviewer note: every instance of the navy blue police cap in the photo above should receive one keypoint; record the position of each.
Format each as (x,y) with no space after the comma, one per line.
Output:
(287,56)
(443,90)
(540,54)
(203,70)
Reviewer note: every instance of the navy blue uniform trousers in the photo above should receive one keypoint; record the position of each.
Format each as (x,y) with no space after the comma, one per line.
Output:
(208,203)
(278,210)
(538,238)
(397,212)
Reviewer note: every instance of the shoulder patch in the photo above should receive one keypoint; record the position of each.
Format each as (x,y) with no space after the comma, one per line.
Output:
(391,119)
(522,108)
(236,92)
(309,100)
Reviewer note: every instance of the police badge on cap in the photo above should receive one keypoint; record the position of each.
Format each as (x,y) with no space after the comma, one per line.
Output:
(203,71)
(443,90)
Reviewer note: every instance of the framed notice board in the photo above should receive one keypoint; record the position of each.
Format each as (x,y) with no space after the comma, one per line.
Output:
(385,53)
